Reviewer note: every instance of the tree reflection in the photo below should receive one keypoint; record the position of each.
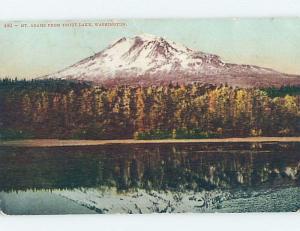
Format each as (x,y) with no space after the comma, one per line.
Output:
(176,167)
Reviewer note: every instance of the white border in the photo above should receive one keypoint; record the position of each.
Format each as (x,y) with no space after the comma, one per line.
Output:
(94,9)
(153,222)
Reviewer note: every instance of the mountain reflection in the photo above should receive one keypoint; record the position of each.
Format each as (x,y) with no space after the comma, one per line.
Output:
(177,167)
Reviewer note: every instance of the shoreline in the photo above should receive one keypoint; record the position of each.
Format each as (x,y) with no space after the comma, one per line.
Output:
(62,143)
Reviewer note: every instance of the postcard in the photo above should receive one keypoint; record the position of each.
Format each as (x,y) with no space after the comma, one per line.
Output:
(150,116)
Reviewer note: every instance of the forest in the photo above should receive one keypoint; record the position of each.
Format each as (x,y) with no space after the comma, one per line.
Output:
(80,110)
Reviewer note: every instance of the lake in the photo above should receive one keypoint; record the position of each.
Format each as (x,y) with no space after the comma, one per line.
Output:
(146,178)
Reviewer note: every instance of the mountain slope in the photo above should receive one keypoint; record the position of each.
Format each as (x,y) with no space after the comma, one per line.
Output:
(148,59)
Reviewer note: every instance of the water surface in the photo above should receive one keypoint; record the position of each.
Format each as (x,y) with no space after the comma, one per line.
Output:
(145,178)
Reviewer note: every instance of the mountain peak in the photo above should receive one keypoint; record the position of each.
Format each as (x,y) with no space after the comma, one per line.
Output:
(148,37)
(148,58)
(142,37)
(146,41)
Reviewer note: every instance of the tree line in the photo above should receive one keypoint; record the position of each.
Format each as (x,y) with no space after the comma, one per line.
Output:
(80,110)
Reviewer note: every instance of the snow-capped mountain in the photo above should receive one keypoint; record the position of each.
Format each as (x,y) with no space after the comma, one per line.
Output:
(148,59)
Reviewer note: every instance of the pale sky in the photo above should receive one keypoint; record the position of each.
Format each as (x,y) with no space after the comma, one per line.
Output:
(33,52)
